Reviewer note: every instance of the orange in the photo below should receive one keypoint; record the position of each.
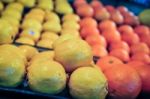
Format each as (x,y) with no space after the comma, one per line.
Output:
(117,17)
(85,10)
(145,39)
(110,8)
(107,24)
(121,54)
(131,20)
(139,47)
(142,30)
(99,50)
(88,21)
(122,9)
(96,4)
(101,14)
(111,36)
(107,62)
(118,45)
(96,39)
(79,2)
(123,82)
(125,29)
(135,63)
(86,31)
(131,38)
(145,58)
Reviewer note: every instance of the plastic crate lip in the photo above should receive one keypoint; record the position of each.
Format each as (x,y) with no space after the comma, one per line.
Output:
(31,93)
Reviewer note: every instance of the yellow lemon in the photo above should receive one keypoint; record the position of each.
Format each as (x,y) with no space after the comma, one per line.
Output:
(88,83)
(47,77)
(25,40)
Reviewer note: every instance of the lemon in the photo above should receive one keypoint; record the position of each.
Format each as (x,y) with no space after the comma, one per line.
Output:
(41,57)
(1,6)
(6,32)
(45,43)
(49,35)
(52,16)
(16,6)
(73,53)
(71,25)
(12,65)
(65,37)
(31,24)
(31,33)
(28,51)
(38,11)
(47,77)
(12,13)
(25,40)
(46,4)
(52,26)
(88,83)
(39,18)
(28,3)
(71,17)
(8,1)
(70,31)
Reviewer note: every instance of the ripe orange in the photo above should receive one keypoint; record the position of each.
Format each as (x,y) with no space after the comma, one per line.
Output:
(118,45)
(88,21)
(117,17)
(99,51)
(122,9)
(139,47)
(110,8)
(123,82)
(85,10)
(121,54)
(77,3)
(125,29)
(142,30)
(135,63)
(86,31)
(130,38)
(111,36)
(101,14)
(96,4)
(107,24)
(145,39)
(96,40)
(145,58)
(107,62)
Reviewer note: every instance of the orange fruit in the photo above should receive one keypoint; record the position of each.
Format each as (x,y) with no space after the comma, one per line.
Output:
(118,45)
(110,8)
(107,62)
(145,39)
(88,21)
(101,14)
(130,38)
(121,54)
(117,17)
(96,4)
(142,30)
(123,82)
(86,31)
(79,2)
(107,24)
(111,36)
(145,58)
(85,10)
(96,39)
(125,29)
(139,47)
(131,20)
(122,9)
(135,63)
(99,51)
